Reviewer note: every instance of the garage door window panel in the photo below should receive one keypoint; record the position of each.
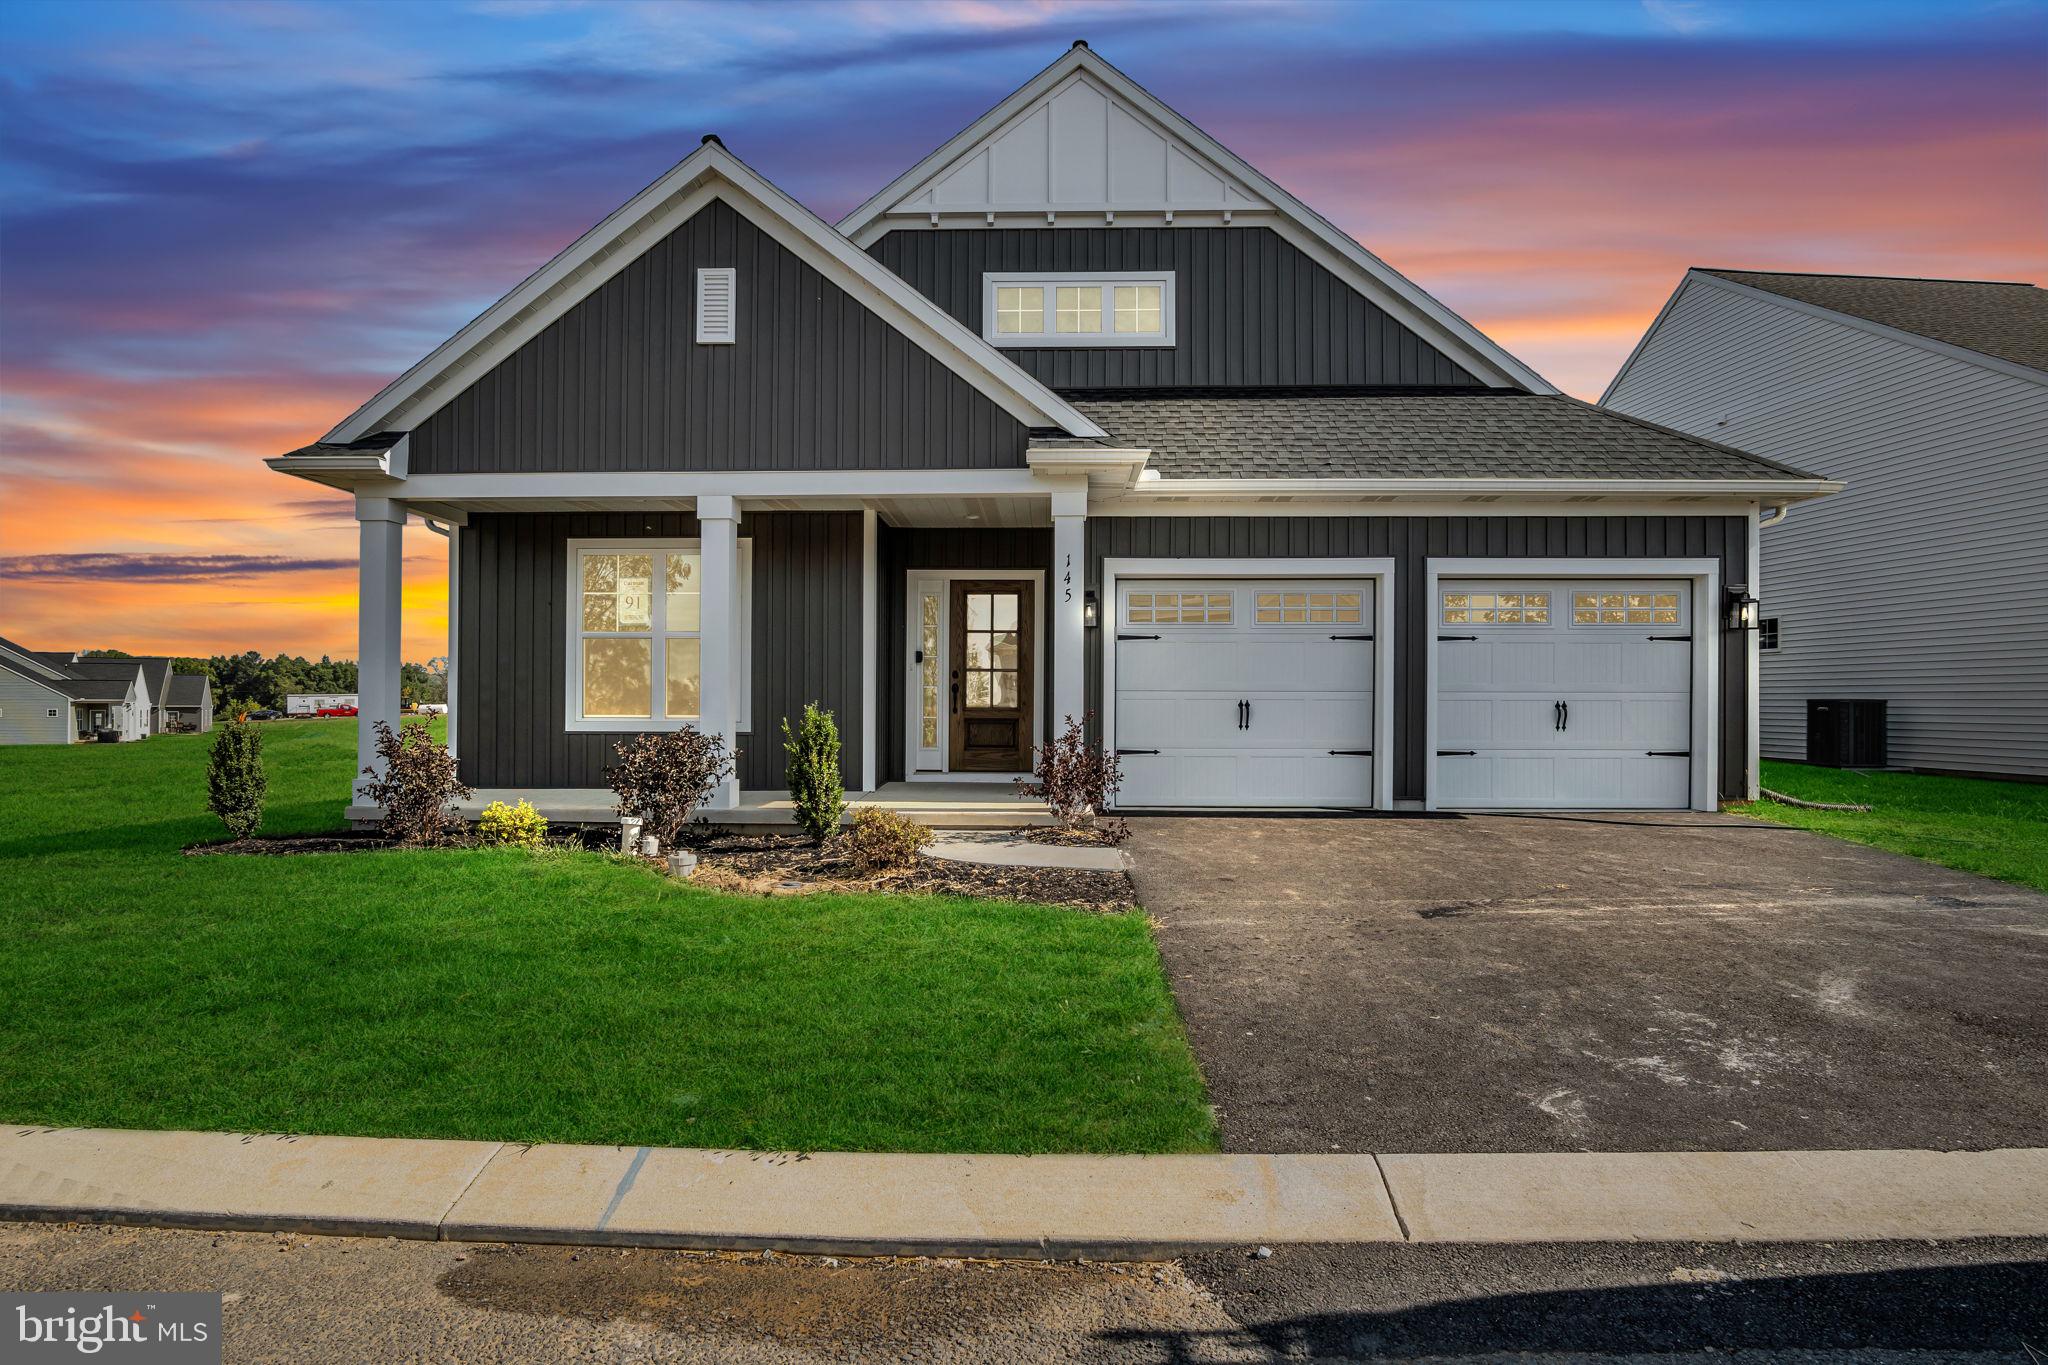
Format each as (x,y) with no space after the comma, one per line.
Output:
(1625,607)
(1331,608)
(1496,608)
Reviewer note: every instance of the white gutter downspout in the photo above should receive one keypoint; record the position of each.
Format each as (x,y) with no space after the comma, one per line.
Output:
(1753,763)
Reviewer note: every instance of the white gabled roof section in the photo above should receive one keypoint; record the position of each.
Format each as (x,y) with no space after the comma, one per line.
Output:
(1083,141)
(710,172)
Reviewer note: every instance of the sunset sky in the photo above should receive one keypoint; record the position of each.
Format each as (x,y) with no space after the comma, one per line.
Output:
(224,225)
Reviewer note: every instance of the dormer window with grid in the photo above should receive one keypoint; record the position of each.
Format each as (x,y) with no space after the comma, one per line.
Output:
(1096,308)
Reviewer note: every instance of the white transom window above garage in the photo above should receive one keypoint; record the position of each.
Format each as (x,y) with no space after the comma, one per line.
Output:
(1180,608)
(1625,607)
(1085,308)
(1338,607)
(1461,608)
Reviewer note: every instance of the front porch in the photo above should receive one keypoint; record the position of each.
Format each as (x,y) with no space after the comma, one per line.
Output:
(941,805)
(574,624)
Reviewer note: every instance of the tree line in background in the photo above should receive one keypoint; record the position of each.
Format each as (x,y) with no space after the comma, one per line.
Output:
(247,682)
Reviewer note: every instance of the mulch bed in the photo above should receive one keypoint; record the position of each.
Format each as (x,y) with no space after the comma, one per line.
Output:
(773,864)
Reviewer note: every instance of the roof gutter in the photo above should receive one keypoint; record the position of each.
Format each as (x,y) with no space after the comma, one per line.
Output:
(1782,492)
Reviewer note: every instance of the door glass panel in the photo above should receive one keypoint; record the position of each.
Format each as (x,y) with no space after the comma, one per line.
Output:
(993,650)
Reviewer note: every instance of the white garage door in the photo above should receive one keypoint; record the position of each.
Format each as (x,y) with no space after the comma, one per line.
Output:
(1565,694)
(1245,693)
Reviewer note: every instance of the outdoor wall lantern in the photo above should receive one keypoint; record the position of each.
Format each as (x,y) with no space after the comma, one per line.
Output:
(1091,612)
(1742,608)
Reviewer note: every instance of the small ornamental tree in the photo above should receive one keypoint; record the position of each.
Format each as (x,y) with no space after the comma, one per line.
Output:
(235,784)
(813,773)
(418,787)
(1074,778)
(663,777)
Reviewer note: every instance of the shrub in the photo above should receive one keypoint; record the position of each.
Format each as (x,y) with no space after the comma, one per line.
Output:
(1075,779)
(419,786)
(663,777)
(520,826)
(813,773)
(235,784)
(881,840)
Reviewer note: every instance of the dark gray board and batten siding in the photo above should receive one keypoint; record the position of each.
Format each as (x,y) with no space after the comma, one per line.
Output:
(1251,309)
(1410,542)
(512,634)
(814,380)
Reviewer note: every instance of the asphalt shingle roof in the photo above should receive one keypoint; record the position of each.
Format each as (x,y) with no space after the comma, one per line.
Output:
(187,689)
(2007,319)
(1278,434)
(94,689)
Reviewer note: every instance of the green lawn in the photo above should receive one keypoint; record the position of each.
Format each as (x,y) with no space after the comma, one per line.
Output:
(1999,829)
(490,994)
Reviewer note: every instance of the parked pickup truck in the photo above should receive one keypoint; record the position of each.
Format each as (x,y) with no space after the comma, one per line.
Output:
(335,711)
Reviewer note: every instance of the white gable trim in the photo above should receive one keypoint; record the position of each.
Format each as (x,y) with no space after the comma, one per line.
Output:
(1269,206)
(1706,279)
(706,174)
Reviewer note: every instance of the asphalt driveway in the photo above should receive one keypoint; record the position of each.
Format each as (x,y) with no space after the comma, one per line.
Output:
(1600,982)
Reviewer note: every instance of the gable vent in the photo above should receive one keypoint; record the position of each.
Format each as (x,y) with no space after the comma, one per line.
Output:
(716,321)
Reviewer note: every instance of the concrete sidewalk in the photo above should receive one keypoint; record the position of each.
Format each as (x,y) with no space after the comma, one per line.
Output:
(1099,1207)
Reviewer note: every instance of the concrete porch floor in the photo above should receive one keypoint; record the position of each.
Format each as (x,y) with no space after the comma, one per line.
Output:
(942,805)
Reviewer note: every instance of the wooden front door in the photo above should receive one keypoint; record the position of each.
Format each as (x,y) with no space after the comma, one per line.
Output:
(990,688)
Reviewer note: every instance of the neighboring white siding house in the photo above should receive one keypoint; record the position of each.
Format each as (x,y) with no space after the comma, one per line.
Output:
(1923,582)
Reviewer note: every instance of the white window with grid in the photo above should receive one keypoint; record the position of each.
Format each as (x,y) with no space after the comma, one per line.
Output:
(1088,308)
(635,648)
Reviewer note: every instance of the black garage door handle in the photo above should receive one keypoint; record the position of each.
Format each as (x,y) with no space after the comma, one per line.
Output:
(1352,753)
(1457,637)
(1137,637)
(1121,752)
(1457,753)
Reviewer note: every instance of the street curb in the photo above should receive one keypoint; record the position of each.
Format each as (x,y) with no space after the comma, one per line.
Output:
(1036,1207)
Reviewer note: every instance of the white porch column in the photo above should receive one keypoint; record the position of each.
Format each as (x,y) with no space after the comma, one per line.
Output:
(718,516)
(870,644)
(1068,591)
(381,523)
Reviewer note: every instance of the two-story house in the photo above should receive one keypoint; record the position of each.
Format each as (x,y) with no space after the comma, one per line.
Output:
(1082,415)
(1919,586)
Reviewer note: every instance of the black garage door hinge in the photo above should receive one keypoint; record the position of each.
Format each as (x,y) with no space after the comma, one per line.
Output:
(1351,637)
(1667,637)
(1667,753)
(1457,637)
(1457,753)
(1354,753)
(1137,637)
(1121,752)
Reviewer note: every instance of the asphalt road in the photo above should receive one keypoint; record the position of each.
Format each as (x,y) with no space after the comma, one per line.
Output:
(320,1299)
(1663,982)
